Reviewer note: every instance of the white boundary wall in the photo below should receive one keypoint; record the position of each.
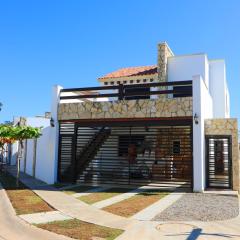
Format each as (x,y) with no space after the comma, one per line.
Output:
(47,145)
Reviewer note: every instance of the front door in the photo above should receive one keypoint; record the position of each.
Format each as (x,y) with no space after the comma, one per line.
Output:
(218,161)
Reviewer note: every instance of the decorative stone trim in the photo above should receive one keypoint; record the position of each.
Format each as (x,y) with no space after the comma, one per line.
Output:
(227,126)
(143,108)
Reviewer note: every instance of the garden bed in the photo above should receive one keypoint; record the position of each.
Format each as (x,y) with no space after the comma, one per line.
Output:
(24,200)
(81,230)
(133,205)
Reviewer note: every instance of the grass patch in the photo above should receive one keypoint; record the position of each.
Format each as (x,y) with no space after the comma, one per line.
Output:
(100,196)
(81,230)
(78,189)
(133,205)
(23,199)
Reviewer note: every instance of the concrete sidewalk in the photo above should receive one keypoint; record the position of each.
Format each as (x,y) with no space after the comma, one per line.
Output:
(44,217)
(118,198)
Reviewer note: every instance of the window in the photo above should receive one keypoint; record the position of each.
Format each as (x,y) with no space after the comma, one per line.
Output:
(187,91)
(176,147)
(125,140)
(131,81)
(112,83)
(106,83)
(139,90)
(118,82)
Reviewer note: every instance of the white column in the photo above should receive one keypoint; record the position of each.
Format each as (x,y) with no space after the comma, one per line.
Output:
(198,136)
(54,136)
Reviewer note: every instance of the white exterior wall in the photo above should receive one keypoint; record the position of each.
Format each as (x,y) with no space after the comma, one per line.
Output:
(33,122)
(44,162)
(202,107)
(183,68)
(219,89)
(29,159)
(213,72)
(14,151)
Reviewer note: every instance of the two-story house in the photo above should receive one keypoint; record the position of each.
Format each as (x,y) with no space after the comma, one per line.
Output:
(167,123)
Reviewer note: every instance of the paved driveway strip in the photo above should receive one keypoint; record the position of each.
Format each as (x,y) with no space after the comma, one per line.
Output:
(118,198)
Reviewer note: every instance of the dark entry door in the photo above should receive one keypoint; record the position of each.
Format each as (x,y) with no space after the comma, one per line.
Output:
(219,161)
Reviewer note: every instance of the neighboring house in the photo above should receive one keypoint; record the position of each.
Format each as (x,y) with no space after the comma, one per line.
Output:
(162,124)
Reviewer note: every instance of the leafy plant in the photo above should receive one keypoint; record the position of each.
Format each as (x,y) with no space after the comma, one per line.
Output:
(11,134)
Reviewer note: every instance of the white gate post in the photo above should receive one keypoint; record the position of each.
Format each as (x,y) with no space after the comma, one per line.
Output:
(198,136)
(54,137)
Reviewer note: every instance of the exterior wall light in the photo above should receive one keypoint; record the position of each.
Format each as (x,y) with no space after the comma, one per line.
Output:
(196,118)
(52,124)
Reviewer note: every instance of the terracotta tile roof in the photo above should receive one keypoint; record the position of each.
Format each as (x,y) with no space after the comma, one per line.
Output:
(131,71)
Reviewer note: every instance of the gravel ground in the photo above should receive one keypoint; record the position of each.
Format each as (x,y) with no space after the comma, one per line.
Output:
(201,207)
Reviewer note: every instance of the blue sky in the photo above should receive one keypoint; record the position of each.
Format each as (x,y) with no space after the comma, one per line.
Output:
(71,43)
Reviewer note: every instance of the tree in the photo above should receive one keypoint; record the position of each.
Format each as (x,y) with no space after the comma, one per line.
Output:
(10,134)
(1,105)
(5,138)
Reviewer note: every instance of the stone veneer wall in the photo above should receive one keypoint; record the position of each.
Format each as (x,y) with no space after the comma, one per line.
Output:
(163,53)
(228,126)
(143,108)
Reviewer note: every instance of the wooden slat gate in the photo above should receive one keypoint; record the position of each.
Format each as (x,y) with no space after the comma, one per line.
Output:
(219,161)
(129,153)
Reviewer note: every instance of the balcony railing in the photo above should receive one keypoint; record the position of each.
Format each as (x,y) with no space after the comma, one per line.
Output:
(128,92)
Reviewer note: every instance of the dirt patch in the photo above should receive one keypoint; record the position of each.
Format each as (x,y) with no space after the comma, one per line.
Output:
(100,196)
(81,230)
(133,205)
(24,200)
